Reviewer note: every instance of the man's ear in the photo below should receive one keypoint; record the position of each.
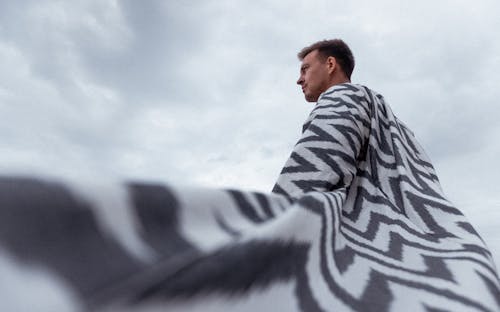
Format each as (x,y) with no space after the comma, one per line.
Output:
(331,63)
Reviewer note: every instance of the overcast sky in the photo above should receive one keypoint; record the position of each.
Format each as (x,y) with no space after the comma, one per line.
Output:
(203,92)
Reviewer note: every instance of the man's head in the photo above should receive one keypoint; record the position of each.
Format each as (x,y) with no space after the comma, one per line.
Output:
(324,64)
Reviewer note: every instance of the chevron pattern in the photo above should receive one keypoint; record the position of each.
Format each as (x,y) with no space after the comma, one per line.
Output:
(357,221)
(393,217)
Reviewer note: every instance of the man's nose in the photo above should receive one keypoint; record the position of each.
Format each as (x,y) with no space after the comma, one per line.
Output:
(300,80)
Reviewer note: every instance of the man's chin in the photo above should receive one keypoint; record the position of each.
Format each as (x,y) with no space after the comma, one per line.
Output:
(311,98)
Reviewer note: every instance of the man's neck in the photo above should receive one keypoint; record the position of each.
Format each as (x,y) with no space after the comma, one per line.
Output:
(337,81)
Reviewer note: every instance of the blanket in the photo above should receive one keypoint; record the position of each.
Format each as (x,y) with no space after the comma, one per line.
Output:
(357,221)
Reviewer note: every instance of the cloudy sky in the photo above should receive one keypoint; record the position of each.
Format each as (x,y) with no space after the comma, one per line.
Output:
(203,92)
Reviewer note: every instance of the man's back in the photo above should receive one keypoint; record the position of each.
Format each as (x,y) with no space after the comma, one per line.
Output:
(387,207)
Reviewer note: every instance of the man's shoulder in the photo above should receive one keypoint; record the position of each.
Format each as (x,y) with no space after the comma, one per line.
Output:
(346,93)
(348,97)
(352,93)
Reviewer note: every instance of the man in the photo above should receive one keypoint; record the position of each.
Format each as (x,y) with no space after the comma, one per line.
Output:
(396,242)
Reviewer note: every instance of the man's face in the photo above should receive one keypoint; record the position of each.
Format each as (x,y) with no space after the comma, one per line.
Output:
(314,77)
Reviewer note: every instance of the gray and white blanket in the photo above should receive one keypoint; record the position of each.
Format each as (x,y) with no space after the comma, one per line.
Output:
(357,221)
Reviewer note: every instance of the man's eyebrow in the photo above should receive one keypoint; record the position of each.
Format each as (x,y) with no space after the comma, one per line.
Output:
(304,66)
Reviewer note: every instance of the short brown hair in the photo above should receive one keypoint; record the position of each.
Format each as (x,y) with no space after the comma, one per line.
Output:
(336,48)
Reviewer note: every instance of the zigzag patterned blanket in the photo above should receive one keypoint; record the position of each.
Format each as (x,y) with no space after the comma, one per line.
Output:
(357,222)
